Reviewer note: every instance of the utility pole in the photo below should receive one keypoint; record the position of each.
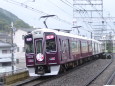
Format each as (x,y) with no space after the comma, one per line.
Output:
(12,47)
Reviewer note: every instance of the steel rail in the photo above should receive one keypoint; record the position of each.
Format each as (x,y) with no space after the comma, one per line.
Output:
(93,78)
(112,76)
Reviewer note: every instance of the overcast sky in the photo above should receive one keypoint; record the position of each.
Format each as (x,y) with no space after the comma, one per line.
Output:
(63,12)
(52,7)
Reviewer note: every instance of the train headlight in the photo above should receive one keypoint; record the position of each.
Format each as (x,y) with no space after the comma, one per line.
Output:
(30,60)
(52,58)
(40,57)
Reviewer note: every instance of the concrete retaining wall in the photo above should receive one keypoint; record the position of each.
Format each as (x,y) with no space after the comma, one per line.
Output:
(16,77)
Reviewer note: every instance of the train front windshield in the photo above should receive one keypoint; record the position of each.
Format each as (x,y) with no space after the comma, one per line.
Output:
(29,44)
(50,42)
(29,48)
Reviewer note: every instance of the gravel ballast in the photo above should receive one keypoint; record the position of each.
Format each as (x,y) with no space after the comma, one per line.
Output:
(81,76)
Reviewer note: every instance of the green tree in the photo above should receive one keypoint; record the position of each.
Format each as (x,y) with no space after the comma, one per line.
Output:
(20,24)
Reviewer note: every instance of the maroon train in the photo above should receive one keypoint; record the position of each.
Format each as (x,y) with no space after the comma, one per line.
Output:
(48,51)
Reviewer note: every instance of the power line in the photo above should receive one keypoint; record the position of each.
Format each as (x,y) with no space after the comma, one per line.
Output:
(100,15)
(95,8)
(66,3)
(60,8)
(35,10)
(72,6)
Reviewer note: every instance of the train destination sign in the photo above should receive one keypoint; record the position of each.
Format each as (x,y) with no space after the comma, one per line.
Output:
(50,37)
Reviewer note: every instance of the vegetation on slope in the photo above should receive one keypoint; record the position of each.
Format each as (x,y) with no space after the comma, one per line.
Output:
(6,18)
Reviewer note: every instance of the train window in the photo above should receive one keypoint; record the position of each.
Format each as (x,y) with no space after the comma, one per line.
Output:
(84,47)
(29,47)
(90,47)
(74,47)
(50,43)
(39,46)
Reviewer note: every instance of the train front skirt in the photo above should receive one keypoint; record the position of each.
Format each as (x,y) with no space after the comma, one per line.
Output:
(54,71)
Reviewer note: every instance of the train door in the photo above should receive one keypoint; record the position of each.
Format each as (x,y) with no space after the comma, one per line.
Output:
(90,47)
(64,57)
(39,51)
(80,48)
(84,47)
(60,49)
(93,45)
(68,49)
(65,50)
(68,41)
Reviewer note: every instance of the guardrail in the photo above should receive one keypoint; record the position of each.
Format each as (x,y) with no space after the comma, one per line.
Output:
(14,76)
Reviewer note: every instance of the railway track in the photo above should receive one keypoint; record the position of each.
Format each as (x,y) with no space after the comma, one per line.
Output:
(110,80)
(40,80)
(34,81)
(93,78)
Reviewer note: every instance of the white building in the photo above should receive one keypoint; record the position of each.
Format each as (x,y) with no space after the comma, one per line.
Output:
(19,53)
(5,57)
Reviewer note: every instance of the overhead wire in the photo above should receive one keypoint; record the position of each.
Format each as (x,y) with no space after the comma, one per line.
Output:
(60,8)
(96,10)
(83,15)
(66,3)
(101,15)
(73,8)
(36,10)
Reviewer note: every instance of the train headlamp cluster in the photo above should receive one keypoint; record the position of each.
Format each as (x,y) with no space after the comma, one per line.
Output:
(52,58)
(30,60)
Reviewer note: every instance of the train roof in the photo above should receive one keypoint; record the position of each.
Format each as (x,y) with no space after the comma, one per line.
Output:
(64,34)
